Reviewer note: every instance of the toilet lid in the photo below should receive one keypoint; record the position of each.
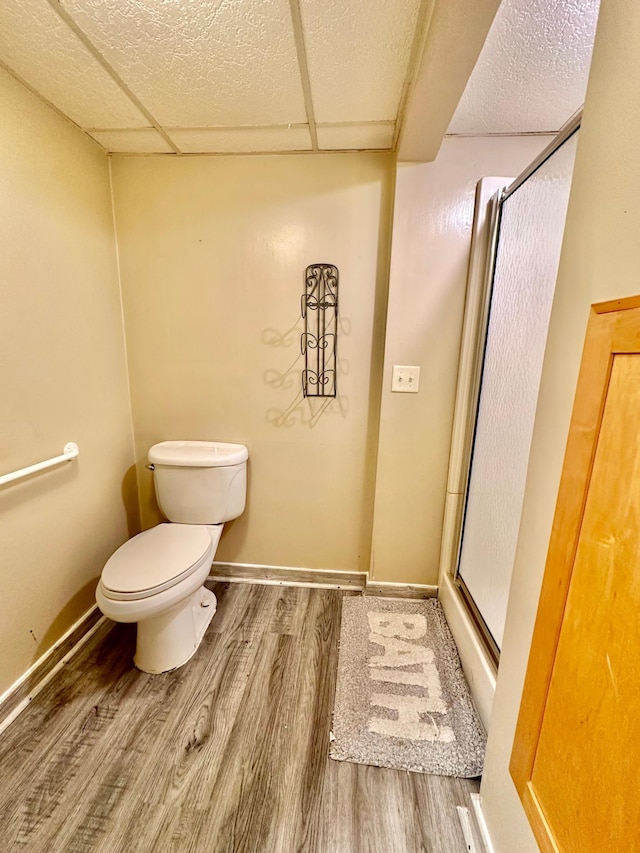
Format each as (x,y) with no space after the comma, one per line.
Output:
(155,560)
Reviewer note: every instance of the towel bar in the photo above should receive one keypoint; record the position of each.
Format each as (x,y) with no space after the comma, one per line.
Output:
(69,452)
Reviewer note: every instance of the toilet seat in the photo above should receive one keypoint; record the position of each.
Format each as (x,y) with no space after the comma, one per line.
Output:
(156,560)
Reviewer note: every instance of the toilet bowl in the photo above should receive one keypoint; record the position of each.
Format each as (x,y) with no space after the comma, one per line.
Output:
(156,579)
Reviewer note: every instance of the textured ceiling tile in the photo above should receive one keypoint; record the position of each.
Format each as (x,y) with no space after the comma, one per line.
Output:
(147,141)
(40,48)
(197,64)
(358,53)
(350,136)
(241,140)
(532,72)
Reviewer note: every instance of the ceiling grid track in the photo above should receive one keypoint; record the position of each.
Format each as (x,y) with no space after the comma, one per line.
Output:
(290,125)
(97,55)
(296,19)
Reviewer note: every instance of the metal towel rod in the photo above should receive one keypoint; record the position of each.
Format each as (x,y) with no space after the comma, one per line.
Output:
(69,452)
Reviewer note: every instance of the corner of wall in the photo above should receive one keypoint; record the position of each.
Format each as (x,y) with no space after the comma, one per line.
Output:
(133,496)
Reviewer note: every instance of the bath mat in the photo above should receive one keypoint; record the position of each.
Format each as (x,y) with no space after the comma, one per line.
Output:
(401,697)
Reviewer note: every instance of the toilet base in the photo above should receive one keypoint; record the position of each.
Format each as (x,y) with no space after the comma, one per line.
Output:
(169,640)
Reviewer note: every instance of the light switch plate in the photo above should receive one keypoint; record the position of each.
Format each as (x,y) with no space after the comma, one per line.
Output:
(405,379)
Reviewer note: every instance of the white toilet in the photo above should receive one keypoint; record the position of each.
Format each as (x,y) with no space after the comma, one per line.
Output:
(157,578)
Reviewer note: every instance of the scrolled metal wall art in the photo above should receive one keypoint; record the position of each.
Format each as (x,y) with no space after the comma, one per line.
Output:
(320,337)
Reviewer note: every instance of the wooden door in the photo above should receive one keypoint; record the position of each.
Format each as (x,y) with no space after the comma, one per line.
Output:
(576,755)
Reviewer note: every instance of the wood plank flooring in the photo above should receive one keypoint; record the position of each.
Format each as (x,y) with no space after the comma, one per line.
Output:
(228,754)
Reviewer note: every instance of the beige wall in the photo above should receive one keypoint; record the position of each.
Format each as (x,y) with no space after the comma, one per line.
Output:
(600,261)
(430,255)
(213,251)
(62,375)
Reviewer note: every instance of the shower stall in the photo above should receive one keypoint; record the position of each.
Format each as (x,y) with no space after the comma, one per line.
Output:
(515,257)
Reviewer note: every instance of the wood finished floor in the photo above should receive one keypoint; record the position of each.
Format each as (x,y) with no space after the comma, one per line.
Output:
(228,754)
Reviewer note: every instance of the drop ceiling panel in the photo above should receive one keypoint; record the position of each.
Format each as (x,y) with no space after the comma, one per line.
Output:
(358,53)
(532,72)
(200,64)
(147,141)
(40,48)
(354,136)
(225,140)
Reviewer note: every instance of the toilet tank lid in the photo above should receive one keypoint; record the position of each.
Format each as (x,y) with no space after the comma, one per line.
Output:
(198,454)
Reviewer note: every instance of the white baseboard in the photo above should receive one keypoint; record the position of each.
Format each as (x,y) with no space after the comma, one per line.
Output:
(287,576)
(318,578)
(464,816)
(41,665)
(389,589)
(476,804)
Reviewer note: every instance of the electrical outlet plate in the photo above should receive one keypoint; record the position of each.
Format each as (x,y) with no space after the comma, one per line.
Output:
(405,379)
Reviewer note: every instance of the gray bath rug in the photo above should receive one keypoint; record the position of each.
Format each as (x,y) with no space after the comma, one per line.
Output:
(401,698)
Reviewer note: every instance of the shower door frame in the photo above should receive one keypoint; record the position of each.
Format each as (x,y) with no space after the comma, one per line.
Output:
(468,398)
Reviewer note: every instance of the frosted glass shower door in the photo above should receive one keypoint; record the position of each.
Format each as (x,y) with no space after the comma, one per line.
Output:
(526,267)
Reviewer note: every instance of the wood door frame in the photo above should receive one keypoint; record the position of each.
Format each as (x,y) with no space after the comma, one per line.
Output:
(613,329)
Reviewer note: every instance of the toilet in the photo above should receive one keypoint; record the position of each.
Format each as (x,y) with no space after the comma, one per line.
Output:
(157,578)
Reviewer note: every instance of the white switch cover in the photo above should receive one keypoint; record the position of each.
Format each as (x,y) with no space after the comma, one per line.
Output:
(406,379)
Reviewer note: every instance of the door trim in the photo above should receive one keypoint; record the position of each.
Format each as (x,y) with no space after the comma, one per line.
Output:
(613,329)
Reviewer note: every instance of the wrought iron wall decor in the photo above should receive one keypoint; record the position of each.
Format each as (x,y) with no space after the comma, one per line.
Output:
(320,337)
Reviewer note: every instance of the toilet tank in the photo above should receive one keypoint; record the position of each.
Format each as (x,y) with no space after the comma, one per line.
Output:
(200,482)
